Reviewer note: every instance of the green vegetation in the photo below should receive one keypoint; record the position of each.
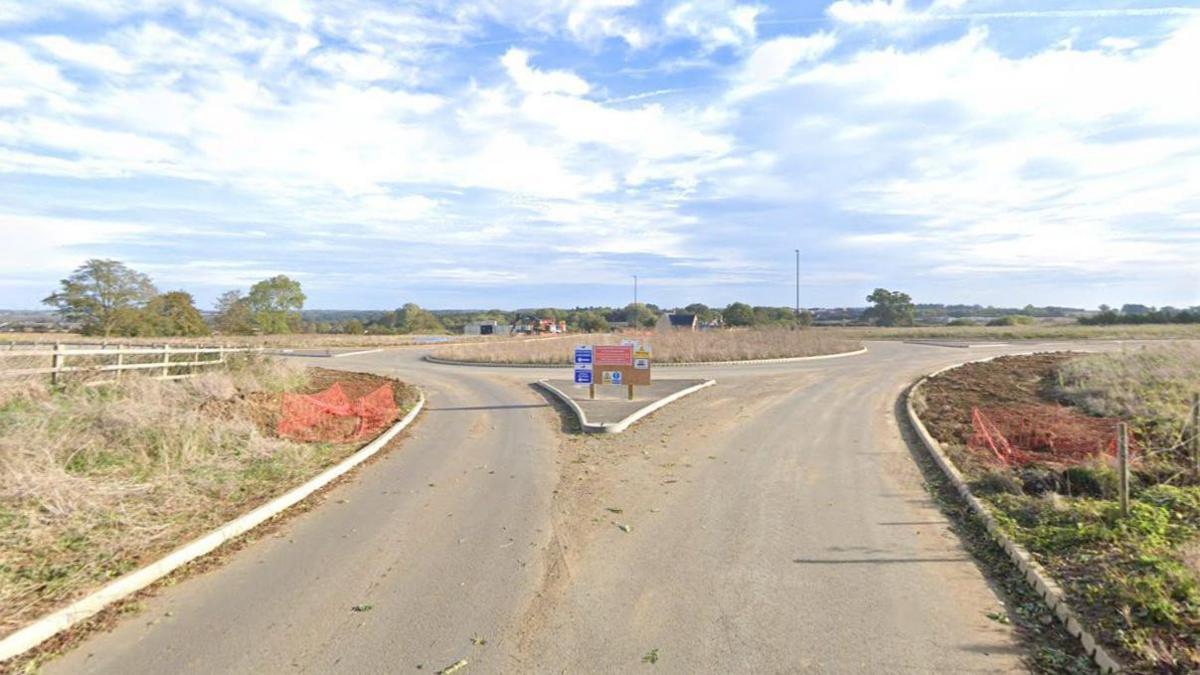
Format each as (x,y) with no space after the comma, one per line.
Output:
(1135,578)
(1141,314)
(1013,320)
(274,305)
(891,308)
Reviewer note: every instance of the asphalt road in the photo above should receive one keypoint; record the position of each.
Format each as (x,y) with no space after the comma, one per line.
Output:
(777,524)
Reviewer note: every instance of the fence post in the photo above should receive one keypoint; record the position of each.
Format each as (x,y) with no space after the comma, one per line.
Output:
(196,361)
(56,363)
(1196,431)
(1123,466)
(166,361)
(120,361)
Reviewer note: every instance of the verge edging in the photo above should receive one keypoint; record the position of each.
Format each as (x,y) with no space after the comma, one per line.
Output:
(1035,576)
(48,626)
(618,427)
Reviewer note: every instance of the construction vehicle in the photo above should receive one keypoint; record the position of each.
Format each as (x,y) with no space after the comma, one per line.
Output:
(529,324)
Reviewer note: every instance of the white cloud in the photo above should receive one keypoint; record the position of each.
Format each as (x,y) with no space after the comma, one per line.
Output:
(715,23)
(1049,161)
(93,56)
(772,61)
(534,81)
(874,11)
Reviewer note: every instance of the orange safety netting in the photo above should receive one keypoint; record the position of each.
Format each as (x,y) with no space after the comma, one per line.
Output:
(1042,433)
(332,416)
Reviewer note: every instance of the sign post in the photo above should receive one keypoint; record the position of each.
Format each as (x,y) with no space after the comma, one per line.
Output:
(626,364)
(583,368)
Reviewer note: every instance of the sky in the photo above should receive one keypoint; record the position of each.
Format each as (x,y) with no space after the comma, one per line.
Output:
(517,153)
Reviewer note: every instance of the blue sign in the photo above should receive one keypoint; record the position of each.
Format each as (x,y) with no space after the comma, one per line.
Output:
(616,377)
(583,377)
(583,355)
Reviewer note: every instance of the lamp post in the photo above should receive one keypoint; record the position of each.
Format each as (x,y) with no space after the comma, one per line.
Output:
(797,284)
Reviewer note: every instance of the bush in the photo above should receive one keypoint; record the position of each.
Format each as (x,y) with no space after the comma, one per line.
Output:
(997,481)
(1013,320)
(1094,480)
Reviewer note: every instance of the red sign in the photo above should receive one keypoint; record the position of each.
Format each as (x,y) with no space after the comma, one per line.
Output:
(612,355)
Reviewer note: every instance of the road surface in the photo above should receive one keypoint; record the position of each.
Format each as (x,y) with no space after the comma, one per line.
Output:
(777,523)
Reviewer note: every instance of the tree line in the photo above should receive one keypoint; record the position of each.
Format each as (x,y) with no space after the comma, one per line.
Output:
(108,298)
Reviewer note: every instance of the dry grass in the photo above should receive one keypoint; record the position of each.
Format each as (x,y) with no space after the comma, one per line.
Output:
(667,347)
(301,340)
(1152,387)
(97,480)
(1046,331)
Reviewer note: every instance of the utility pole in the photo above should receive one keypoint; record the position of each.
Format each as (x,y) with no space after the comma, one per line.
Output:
(797,284)
(635,290)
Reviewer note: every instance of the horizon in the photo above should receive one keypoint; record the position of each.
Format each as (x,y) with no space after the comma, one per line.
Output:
(977,151)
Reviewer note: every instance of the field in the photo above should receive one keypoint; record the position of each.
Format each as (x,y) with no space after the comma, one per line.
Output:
(669,347)
(1135,578)
(1048,331)
(95,481)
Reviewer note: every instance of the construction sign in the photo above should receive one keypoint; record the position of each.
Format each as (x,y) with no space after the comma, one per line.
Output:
(625,364)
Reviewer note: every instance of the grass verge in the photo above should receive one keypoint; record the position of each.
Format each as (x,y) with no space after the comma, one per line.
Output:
(1045,331)
(96,481)
(1134,579)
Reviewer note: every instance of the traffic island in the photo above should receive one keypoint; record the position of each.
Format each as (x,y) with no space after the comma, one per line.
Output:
(612,412)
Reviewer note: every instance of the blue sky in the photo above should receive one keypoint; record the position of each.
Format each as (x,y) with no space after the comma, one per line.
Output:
(505,153)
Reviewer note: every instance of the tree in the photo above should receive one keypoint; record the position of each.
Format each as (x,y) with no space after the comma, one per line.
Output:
(101,295)
(353,327)
(412,319)
(892,308)
(738,314)
(173,314)
(275,304)
(233,314)
(640,314)
(592,322)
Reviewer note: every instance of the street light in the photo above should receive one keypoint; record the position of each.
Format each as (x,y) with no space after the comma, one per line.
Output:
(797,284)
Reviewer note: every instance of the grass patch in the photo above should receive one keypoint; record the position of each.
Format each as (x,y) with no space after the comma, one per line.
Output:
(668,347)
(96,481)
(1135,579)
(1040,331)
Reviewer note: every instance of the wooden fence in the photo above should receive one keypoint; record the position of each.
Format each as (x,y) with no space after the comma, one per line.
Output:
(165,362)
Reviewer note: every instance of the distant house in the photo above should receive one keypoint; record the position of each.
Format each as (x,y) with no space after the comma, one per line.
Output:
(482,328)
(678,322)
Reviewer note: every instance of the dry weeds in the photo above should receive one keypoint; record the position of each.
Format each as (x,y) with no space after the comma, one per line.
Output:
(97,480)
(667,347)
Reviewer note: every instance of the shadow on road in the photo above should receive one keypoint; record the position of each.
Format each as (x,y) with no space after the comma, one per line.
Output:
(568,420)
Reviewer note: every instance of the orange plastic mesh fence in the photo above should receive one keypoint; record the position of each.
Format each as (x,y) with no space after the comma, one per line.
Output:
(331,416)
(1042,433)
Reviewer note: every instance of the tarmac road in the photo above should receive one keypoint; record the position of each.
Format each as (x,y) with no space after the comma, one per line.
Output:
(778,524)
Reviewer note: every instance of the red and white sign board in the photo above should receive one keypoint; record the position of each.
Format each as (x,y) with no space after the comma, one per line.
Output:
(612,355)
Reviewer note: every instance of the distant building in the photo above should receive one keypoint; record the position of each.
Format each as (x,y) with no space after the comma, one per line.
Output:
(482,328)
(678,322)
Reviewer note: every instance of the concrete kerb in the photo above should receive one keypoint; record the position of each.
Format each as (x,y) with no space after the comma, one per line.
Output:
(50,625)
(1035,575)
(747,362)
(618,427)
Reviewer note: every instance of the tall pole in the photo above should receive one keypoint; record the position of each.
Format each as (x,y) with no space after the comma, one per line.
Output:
(797,283)
(635,290)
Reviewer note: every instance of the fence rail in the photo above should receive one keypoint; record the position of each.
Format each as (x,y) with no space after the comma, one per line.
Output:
(173,362)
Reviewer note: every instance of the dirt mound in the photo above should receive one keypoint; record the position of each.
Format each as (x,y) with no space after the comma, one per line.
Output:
(1006,382)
